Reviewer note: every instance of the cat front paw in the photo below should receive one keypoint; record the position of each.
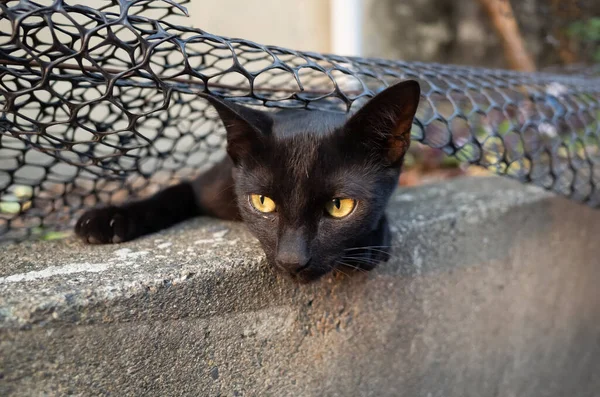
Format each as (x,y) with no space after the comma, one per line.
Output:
(103,226)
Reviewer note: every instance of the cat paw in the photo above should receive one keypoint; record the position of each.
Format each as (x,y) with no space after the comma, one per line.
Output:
(103,226)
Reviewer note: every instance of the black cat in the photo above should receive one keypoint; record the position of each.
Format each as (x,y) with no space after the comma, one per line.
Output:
(312,186)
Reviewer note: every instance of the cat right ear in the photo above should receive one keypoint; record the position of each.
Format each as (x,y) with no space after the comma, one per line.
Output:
(245,127)
(383,124)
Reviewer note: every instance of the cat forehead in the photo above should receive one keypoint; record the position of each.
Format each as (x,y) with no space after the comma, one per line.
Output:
(305,142)
(305,161)
(293,122)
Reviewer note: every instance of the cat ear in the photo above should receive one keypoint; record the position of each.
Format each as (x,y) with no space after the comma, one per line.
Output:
(383,125)
(245,127)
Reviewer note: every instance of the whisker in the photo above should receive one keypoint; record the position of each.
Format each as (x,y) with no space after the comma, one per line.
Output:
(333,268)
(351,266)
(375,250)
(363,260)
(360,265)
(338,270)
(359,256)
(368,247)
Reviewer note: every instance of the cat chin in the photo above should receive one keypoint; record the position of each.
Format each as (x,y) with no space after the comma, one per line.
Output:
(307,275)
(310,274)
(313,273)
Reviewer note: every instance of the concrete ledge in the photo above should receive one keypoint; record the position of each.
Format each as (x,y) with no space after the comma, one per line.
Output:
(493,291)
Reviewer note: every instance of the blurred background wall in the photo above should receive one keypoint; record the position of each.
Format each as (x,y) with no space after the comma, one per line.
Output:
(301,24)
(554,32)
(461,32)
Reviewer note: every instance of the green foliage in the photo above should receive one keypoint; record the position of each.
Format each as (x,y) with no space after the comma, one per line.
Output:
(504,127)
(42,233)
(588,33)
(49,236)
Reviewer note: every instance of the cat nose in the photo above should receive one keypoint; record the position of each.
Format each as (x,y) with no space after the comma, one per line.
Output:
(292,251)
(292,262)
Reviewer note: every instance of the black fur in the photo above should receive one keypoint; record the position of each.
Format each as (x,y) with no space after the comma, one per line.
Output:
(302,160)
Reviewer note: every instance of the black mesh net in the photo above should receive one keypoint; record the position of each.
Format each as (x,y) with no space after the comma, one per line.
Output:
(100,105)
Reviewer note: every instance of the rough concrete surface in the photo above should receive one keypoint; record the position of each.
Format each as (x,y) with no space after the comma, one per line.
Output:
(493,290)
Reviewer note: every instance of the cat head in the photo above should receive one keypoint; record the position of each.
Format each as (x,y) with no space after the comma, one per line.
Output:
(312,186)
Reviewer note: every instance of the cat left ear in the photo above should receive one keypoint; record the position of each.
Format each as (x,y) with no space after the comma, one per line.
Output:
(384,123)
(246,128)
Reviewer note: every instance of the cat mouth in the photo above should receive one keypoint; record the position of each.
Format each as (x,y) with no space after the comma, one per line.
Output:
(310,275)
(310,272)
(346,264)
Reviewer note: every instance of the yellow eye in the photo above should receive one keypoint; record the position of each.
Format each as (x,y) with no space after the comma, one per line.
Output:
(262,203)
(340,207)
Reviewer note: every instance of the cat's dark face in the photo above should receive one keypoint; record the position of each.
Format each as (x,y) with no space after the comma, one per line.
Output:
(313,186)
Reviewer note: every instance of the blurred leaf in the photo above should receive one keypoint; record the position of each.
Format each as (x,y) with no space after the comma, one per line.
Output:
(575,29)
(8,207)
(504,127)
(55,236)
(409,160)
(585,30)
(23,191)
(451,162)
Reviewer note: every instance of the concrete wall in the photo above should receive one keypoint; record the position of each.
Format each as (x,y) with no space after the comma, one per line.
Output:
(492,291)
(301,25)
